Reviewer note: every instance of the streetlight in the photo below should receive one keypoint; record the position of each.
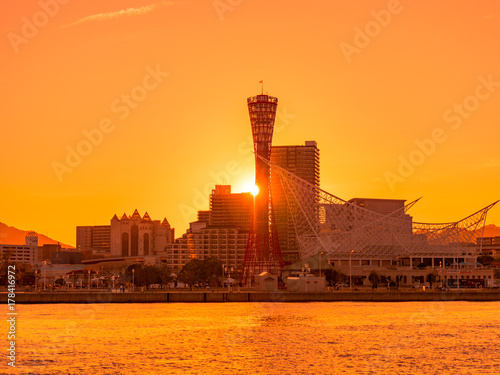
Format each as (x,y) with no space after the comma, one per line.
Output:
(350,269)
(441,274)
(44,273)
(228,270)
(320,263)
(89,280)
(133,280)
(36,280)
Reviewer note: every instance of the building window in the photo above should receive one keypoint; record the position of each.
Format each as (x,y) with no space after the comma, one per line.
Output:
(146,243)
(124,244)
(134,240)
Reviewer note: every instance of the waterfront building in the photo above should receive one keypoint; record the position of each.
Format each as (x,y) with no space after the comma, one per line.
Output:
(94,241)
(396,272)
(220,232)
(469,275)
(411,267)
(229,209)
(201,242)
(365,234)
(66,257)
(488,245)
(26,253)
(306,284)
(45,252)
(302,161)
(133,236)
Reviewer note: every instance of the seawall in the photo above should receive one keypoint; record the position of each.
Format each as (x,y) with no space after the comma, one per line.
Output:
(249,296)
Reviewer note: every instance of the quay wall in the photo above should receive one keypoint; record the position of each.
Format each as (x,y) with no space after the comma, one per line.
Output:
(248,296)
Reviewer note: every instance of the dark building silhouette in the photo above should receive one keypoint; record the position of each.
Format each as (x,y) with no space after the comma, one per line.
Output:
(230,210)
(66,257)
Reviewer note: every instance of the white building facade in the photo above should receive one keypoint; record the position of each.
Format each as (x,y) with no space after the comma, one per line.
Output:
(136,236)
(26,253)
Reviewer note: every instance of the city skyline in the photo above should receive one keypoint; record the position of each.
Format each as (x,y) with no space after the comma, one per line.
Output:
(399,110)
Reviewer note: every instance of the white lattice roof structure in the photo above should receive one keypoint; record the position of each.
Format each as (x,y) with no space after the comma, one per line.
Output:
(326,223)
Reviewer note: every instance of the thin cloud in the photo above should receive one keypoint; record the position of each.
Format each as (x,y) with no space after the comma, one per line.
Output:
(492,163)
(130,12)
(489,16)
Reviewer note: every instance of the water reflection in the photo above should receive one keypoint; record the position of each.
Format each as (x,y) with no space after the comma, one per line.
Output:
(267,338)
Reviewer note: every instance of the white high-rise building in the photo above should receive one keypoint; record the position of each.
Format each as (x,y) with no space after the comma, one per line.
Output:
(26,253)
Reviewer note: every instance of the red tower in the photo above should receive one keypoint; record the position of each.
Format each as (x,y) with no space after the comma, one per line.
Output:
(263,250)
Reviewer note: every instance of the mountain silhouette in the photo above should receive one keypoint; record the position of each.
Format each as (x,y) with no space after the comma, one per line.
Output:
(14,236)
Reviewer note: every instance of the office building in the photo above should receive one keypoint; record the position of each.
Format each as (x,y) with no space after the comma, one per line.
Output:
(228,209)
(221,232)
(26,253)
(303,161)
(94,238)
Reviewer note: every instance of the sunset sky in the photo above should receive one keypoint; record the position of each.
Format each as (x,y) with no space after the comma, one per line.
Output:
(401,96)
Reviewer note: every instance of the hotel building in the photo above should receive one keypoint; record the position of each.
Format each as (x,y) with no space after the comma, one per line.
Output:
(221,232)
(303,161)
(133,236)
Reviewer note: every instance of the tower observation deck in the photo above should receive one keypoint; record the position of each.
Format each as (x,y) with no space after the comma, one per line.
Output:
(263,250)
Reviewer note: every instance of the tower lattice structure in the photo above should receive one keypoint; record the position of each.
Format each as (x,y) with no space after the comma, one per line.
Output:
(263,252)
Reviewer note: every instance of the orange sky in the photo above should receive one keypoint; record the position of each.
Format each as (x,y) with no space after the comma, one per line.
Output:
(366,100)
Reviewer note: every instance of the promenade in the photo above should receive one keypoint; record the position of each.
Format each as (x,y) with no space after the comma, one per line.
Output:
(222,295)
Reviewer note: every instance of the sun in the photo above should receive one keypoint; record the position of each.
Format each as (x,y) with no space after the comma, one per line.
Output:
(254,190)
(246,185)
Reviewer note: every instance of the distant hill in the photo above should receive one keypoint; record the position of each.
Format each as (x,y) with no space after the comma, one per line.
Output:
(14,236)
(490,230)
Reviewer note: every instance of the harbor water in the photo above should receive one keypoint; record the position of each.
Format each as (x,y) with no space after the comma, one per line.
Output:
(258,338)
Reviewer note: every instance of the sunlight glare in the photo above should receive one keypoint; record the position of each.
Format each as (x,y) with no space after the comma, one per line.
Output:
(254,190)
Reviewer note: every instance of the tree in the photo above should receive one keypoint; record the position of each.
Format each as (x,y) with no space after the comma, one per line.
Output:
(485,260)
(496,273)
(191,272)
(111,269)
(144,274)
(431,278)
(211,270)
(399,278)
(333,277)
(201,271)
(374,278)
(166,274)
